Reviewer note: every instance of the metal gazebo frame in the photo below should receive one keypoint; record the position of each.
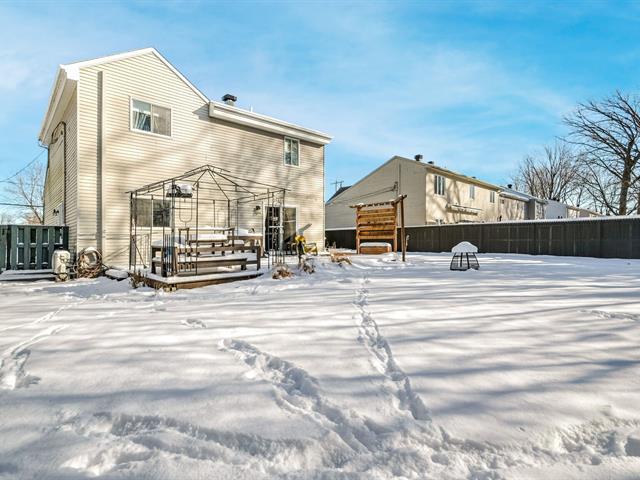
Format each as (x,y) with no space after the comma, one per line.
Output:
(204,193)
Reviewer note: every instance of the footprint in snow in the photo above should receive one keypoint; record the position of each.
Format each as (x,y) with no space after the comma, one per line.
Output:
(194,323)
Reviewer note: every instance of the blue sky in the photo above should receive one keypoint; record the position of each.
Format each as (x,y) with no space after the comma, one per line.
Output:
(473,86)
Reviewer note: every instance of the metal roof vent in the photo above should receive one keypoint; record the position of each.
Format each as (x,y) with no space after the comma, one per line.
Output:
(230,99)
(418,158)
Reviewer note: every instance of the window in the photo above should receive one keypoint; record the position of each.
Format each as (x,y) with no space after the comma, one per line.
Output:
(152,212)
(439,185)
(291,151)
(472,192)
(146,117)
(492,197)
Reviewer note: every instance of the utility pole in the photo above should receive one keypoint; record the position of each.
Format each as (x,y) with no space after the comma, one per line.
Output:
(337,184)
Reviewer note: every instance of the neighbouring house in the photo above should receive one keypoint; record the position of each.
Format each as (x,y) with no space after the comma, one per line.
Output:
(515,205)
(119,122)
(579,212)
(556,209)
(434,195)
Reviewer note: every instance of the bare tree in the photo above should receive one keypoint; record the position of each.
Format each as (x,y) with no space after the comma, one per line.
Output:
(26,191)
(553,174)
(608,135)
(5,218)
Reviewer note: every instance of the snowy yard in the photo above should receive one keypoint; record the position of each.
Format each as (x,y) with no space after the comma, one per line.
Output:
(527,368)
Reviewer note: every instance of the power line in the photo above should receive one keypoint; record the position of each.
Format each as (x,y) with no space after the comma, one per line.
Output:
(19,205)
(8,179)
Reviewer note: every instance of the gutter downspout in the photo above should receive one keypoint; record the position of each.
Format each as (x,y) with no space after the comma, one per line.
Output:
(100,161)
(46,176)
(64,173)
(64,170)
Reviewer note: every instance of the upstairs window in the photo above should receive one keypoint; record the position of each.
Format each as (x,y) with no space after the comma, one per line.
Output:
(472,192)
(291,151)
(439,185)
(492,197)
(146,117)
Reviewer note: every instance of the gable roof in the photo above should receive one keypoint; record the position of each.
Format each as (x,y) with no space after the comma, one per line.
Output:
(338,192)
(69,74)
(426,166)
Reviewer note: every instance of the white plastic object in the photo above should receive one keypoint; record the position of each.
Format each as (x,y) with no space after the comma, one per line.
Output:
(60,264)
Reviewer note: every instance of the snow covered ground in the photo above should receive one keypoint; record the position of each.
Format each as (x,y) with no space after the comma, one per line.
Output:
(527,369)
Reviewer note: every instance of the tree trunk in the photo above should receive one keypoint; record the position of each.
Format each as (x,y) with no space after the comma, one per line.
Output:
(625,181)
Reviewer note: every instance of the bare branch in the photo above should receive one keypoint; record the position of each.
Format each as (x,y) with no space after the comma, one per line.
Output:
(607,134)
(27,188)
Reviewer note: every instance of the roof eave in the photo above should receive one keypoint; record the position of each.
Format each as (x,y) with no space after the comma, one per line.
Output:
(459,176)
(232,114)
(61,92)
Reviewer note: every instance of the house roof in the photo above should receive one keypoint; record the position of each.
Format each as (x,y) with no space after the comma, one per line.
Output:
(446,171)
(68,75)
(338,192)
(525,197)
(427,166)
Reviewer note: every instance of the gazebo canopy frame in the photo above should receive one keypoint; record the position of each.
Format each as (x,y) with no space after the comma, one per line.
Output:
(202,200)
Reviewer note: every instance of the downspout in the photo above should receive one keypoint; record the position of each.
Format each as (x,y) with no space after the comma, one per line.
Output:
(100,155)
(64,172)
(64,169)
(46,175)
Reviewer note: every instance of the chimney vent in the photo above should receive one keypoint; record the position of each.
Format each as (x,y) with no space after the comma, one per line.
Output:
(230,99)
(510,186)
(418,158)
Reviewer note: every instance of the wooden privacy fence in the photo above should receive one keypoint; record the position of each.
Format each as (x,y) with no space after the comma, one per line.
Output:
(607,237)
(30,247)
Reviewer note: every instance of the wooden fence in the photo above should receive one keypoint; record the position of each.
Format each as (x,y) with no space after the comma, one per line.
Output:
(606,237)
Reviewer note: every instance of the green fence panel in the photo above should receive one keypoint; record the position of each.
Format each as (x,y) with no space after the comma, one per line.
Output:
(30,247)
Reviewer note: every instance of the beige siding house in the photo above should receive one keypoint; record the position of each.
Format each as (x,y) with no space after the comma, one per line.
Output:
(434,195)
(117,123)
(514,205)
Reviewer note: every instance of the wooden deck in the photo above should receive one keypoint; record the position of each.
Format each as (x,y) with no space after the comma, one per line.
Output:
(180,282)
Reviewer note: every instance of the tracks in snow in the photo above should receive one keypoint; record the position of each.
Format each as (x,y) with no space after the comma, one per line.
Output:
(43,319)
(12,365)
(126,439)
(298,392)
(382,356)
(614,315)
(12,362)
(351,446)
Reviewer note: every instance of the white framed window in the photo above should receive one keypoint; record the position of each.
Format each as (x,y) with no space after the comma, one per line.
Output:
(492,197)
(439,185)
(291,151)
(472,192)
(150,118)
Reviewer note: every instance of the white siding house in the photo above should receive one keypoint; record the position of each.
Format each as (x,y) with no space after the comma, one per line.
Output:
(119,122)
